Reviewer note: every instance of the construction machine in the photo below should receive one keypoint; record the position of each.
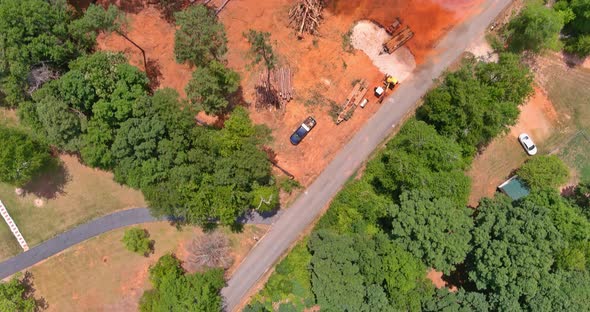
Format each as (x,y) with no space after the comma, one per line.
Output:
(389,82)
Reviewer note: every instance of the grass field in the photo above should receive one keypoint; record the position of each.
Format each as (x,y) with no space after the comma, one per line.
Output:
(101,275)
(71,195)
(569,91)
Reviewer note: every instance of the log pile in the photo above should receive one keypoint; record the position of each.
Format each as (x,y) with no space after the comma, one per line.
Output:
(280,91)
(306,16)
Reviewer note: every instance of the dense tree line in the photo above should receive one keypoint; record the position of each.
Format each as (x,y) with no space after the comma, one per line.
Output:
(370,251)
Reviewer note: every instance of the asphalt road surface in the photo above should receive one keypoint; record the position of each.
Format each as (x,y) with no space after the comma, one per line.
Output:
(287,229)
(93,228)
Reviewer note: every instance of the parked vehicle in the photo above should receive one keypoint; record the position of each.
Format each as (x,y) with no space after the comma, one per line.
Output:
(303,130)
(528,144)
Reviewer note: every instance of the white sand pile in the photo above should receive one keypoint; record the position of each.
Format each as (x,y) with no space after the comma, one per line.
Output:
(369,38)
(481,49)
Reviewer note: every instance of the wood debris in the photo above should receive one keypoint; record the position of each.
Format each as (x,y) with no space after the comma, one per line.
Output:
(352,101)
(306,16)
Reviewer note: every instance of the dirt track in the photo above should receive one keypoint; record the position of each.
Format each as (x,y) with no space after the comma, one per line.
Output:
(310,204)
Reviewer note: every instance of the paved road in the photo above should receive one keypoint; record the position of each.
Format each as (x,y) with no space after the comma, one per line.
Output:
(309,205)
(93,228)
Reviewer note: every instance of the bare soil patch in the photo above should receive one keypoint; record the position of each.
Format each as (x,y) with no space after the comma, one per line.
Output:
(156,36)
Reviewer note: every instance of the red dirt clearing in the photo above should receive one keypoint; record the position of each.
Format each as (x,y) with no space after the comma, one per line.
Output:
(320,65)
(156,37)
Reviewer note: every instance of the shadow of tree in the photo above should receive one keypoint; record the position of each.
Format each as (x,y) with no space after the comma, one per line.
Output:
(154,73)
(40,303)
(49,184)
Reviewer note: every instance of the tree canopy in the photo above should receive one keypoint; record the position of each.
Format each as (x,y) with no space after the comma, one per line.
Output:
(432,229)
(513,248)
(360,273)
(37,34)
(536,28)
(22,158)
(200,37)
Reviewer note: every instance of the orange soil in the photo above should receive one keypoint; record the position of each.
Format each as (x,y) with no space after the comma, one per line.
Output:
(156,37)
(318,63)
(537,118)
(437,279)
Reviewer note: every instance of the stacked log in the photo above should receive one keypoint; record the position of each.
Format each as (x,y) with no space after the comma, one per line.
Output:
(280,91)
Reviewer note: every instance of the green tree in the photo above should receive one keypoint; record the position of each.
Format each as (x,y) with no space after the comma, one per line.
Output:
(545,171)
(137,240)
(459,301)
(176,291)
(513,248)
(13,296)
(432,229)
(200,37)
(210,87)
(22,158)
(536,28)
(261,52)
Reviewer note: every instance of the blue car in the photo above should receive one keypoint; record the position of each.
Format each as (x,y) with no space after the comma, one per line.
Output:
(303,130)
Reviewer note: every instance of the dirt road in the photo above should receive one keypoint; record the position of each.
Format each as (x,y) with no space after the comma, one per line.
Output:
(309,205)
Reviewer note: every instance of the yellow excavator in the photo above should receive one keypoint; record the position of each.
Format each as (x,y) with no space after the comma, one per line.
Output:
(389,82)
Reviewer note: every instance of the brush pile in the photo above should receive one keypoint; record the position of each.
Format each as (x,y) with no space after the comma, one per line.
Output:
(306,16)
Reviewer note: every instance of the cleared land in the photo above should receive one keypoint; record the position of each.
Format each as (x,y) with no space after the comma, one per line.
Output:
(323,70)
(101,275)
(71,195)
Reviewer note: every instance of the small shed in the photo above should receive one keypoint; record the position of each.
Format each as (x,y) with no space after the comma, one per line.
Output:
(515,188)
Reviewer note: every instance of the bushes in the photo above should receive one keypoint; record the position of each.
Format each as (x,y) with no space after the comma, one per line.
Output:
(545,171)
(137,240)
(176,291)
